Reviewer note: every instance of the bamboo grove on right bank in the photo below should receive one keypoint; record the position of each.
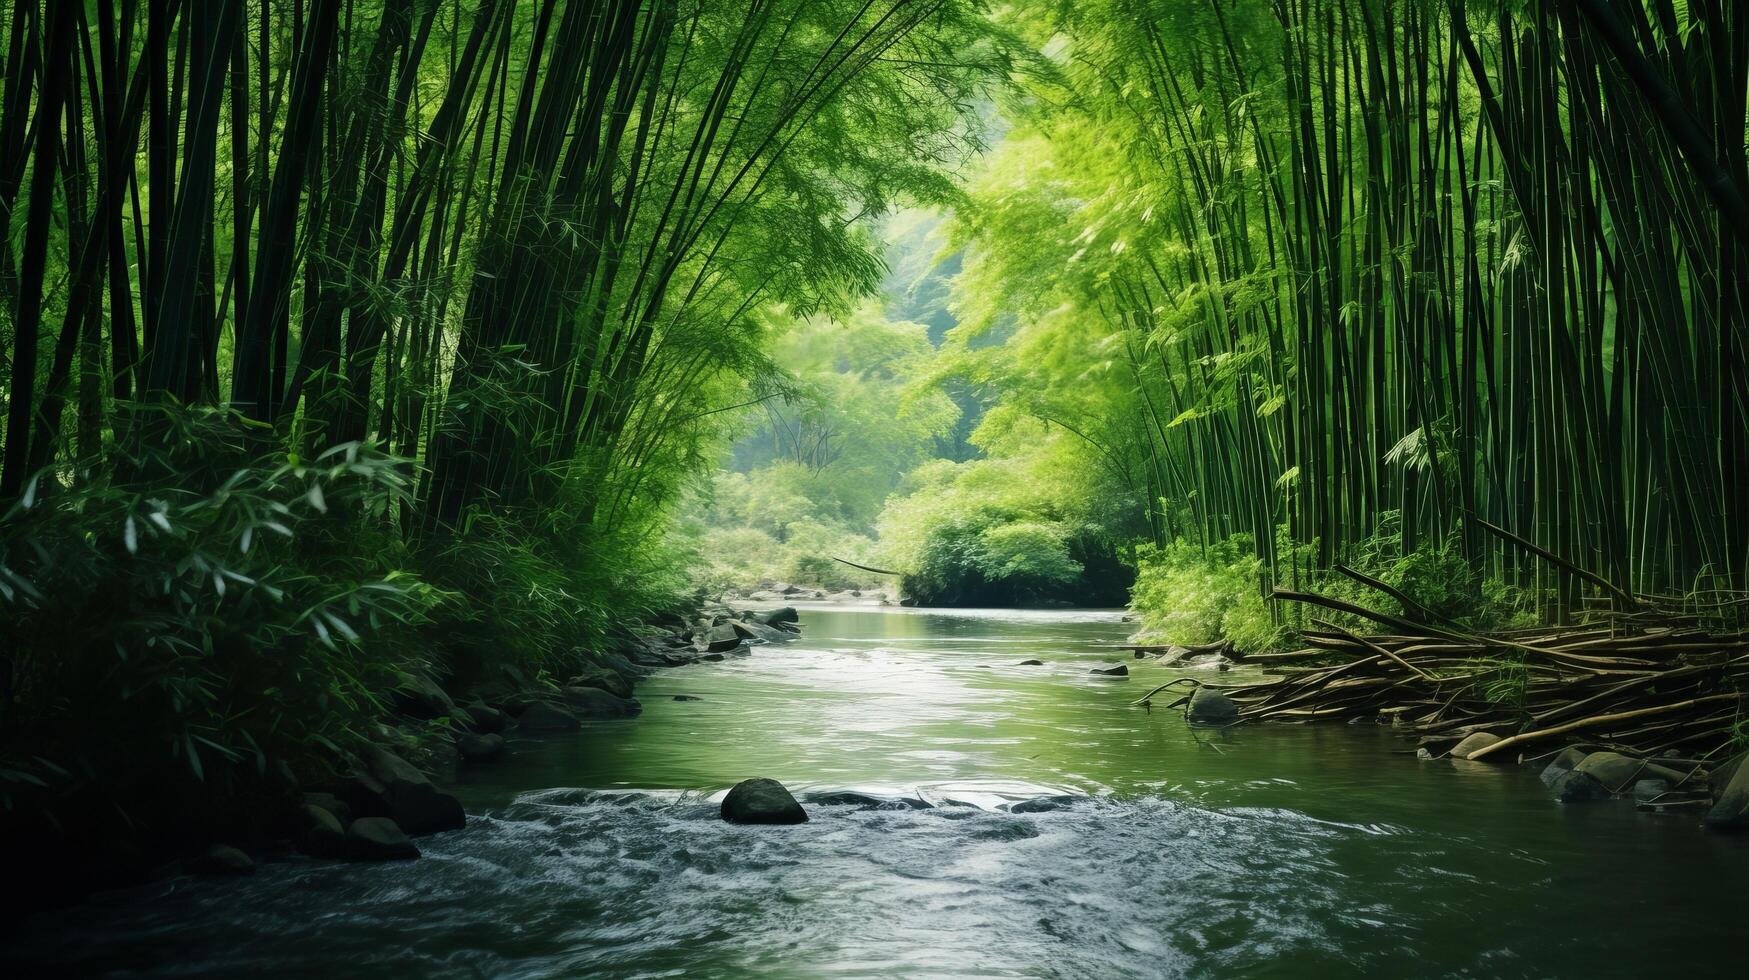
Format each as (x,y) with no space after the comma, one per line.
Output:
(1353,268)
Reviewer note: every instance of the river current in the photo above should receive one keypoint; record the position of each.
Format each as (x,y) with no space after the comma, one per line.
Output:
(1067,833)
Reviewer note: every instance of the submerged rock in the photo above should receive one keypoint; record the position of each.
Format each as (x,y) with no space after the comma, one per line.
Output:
(1030,663)
(222,859)
(540,716)
(1119,671)
(1211,707)
(1475,742)
(378,839)
(762,801)
(687,697)
(481,748)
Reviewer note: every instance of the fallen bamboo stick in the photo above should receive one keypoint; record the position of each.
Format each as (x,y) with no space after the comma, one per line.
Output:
(1595,720)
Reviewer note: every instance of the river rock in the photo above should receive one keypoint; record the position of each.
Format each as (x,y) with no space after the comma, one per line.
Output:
(320,833)
(222,859)
(759,632)
(1568,759)
(333,804)
(420,697)
(717,639)
(378,839)
(481,748)
(1476,741)
(543,716)
(1030,663)
(1577,787)
(762,801)
(392,787)
(1618,772)
(1210,707)
(1647,790)
(593,703)
(1730,812)
(607,680)
(786,614)
(687,697)
(1119,671)
(486,720)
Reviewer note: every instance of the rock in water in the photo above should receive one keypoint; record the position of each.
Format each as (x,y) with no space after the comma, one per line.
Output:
(1476,741)
(421,698)
(594,703)
(540,716)
(222,859)
(785,615)
(486,720)
(1119,671)
(1577,787)
(321,835)
(1731,811)
(1211,707)
(1564,763)
(1618,772)
(718,639)
(762,801)
(1030,663)
(480,748)
(378,839)
(391,787)
(607,680)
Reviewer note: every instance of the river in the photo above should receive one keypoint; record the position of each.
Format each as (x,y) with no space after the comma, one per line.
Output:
(1257,852)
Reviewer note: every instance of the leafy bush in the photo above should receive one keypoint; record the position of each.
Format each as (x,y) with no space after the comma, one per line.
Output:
(1188,596)
(197,623)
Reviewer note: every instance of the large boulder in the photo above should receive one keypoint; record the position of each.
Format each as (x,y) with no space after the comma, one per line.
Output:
(1119,671)
(593,703)
(378,839)
(320,834)
(390,786)
(480,748)
(1731,807)
(1475,742)
(762,801)
(1211,707)
(542,716)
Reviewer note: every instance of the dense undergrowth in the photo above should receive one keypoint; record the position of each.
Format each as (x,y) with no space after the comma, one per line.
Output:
(1188,594)
(201,624)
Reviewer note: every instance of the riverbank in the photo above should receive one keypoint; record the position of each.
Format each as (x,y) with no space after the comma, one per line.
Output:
(376,803)
(1645,699)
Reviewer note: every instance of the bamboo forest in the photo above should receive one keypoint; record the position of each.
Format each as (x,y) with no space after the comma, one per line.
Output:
(890,488)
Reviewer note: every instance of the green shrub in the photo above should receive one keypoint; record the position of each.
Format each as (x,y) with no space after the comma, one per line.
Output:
(195,624)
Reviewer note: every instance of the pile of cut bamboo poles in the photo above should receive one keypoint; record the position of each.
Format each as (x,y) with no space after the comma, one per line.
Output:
(1656,677)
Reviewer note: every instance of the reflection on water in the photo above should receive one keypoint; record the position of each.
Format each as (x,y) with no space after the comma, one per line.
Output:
(1292,852)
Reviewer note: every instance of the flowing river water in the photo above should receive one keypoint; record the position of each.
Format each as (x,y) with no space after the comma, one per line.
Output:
(1153,849)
